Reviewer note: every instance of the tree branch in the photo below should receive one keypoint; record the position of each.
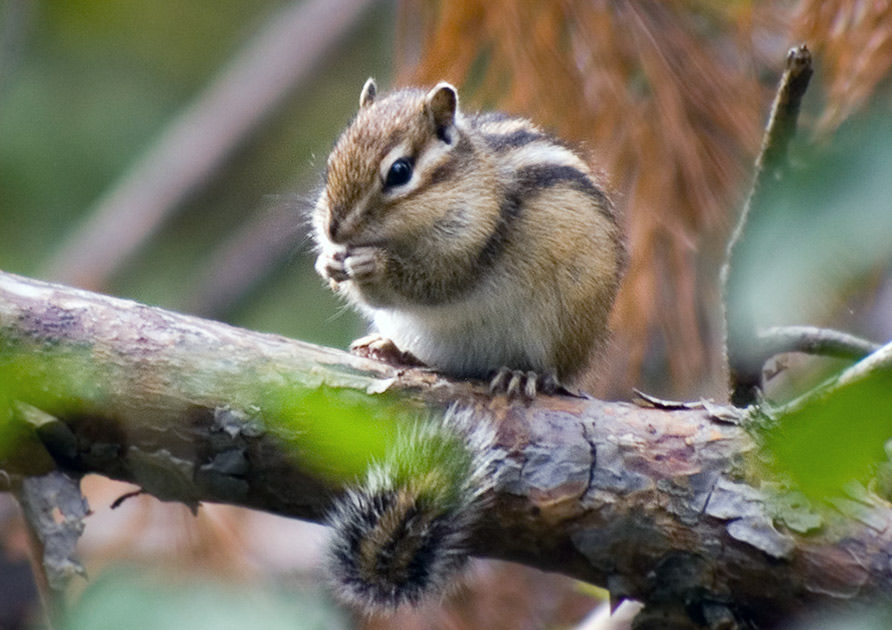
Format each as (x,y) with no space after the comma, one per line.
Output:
(812,340)
(745,365)
(54,512)
(655,504)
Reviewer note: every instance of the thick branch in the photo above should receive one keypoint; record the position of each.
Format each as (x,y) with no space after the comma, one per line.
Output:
(652,503)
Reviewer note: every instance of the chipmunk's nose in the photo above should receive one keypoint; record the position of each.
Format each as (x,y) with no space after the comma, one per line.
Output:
(341,225)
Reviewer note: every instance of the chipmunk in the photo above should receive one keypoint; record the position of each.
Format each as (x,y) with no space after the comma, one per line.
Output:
(476,243)
(482,247)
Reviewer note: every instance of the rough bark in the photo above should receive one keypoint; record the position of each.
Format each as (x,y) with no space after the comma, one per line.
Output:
(656,502)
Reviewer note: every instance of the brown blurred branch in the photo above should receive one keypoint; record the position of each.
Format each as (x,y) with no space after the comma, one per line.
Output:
(245,257)
(744,363)
(54,512)
(295,42)
(649,502)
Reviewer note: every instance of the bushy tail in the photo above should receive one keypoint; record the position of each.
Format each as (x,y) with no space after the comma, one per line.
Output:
(404,532)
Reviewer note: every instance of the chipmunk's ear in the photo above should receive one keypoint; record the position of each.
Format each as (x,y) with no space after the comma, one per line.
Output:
(441,105)
(367,96)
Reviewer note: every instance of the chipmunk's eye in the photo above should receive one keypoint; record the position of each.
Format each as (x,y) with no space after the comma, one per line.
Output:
(399,174)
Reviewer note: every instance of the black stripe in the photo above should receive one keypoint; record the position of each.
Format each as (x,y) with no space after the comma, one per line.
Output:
(529,181)
(463,148)
(442,173)
(495,244)
(547,175)
(451,283)
(518,138)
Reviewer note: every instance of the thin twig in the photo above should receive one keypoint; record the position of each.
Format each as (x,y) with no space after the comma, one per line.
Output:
(784,113)
(812,340)
(54,512)
(877,361)
(744,365)
(284,55)
(881,359)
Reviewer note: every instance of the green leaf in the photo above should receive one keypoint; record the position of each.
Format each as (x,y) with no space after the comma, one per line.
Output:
(138,600)
(835,438)
(337,432)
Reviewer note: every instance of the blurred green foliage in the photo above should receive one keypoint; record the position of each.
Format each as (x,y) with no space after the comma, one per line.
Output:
(338,433)
(135,599)
(824,230)
(822,233)
(88,86)
(835,438)
(93,83)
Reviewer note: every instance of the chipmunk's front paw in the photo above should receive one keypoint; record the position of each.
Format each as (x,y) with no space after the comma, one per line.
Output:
(523,385)
(361,264)
(364,264)
(330,265)
(381,348)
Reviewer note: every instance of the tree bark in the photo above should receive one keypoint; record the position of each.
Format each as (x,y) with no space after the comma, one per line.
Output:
(661,503)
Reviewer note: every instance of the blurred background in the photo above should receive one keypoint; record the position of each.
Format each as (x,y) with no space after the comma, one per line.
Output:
(168,151)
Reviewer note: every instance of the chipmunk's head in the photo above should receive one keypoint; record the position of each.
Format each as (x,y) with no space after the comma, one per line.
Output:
(398,146)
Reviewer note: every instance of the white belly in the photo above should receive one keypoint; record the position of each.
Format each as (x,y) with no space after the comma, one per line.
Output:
(476,336)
